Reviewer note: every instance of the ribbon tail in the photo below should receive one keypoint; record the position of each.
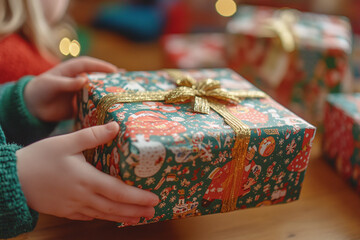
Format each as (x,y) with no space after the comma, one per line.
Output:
(201,105)
(242,133)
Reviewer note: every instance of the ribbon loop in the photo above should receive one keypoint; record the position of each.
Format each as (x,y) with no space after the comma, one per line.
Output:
(208,85)
(201,105)
(282,26)
(180,95)
(199,92)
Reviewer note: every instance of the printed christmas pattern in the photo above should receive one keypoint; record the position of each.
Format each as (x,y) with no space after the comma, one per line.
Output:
(341,141)
(184,157)
(300,79)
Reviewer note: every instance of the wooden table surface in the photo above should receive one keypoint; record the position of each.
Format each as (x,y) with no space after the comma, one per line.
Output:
(328,208)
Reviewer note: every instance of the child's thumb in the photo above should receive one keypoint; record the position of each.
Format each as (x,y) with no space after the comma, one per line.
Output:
(94,136)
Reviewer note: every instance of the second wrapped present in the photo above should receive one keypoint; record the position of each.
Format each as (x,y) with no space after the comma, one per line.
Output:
(342,136)
(231,156)
(298,58)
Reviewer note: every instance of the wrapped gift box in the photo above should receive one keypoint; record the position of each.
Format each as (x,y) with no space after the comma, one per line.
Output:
(348,8)
(298,58)
(202,50)
(342,135)
(303,5)
(195,162)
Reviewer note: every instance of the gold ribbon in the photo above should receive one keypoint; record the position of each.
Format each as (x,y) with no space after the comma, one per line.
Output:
(205,95)
(282,27)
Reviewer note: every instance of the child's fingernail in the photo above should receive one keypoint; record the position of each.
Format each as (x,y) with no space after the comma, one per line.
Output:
(112,126)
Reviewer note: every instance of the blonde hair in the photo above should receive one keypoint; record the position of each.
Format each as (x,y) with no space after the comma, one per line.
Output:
(27,17)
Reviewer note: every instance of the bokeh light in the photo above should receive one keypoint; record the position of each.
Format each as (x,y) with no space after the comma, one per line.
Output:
(226,8)
(69,47)
(64,46)
(74,48)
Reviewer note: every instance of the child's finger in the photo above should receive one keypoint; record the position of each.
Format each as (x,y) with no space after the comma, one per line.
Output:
(116,190)
(109,217)
(119,209)
(79,65)
(91,137)
(67,84)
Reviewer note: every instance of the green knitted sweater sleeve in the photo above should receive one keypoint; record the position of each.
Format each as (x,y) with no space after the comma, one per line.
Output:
(15,216)
(18,124)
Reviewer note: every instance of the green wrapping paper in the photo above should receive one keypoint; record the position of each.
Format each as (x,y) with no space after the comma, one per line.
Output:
(186,158)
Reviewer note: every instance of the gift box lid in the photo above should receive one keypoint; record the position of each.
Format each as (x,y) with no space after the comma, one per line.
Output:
(142,81)
(311,30)
(349,103)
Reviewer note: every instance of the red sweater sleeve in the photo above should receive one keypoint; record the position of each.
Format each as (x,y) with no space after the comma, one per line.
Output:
(20,58)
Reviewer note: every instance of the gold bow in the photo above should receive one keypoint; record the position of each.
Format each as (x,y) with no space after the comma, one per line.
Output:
(205,94)
(282,27)
(202,92)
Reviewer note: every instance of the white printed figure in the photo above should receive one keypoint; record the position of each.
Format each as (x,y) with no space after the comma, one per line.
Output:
(150,158)
(97,76)
(294,122)
(273,113)
(165,85)
(278,193)
(132,85)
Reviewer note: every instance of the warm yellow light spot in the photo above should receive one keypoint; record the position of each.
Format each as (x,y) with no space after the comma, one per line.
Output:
(226,8)
(74,48)
(64,46)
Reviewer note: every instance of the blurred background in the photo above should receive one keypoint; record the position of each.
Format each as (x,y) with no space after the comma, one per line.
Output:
(156,34)
(121,31)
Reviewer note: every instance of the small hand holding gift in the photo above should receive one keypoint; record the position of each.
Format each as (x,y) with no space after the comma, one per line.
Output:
(53,173)
(50,95)
(57,180)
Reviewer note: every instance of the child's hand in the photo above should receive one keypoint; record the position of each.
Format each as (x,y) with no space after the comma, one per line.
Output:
(50,95)
(57,180)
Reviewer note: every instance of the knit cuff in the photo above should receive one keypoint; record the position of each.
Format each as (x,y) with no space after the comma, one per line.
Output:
(19,105)
(15,215)
(18,123)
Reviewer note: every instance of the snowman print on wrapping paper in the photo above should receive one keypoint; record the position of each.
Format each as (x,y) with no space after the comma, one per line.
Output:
(139,127)
(150,158)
